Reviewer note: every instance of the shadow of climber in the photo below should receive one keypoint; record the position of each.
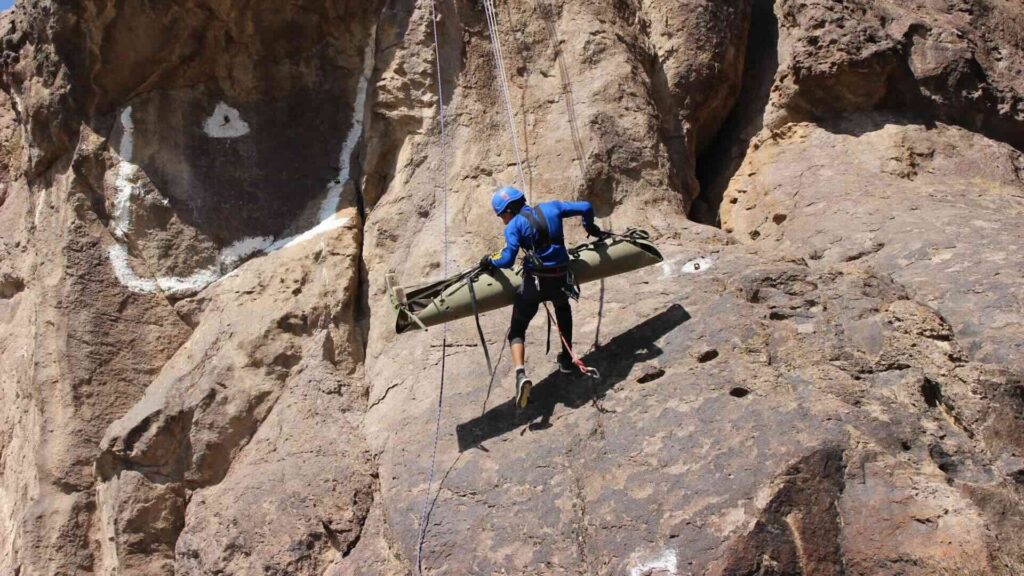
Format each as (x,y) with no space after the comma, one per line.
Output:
(614,360)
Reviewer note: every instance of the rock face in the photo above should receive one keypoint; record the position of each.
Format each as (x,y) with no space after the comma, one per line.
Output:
(199,202)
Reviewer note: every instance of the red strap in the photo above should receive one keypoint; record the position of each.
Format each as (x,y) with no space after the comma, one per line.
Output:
(586,370)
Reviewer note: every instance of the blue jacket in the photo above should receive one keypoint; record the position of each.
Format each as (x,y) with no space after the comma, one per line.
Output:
(519,233)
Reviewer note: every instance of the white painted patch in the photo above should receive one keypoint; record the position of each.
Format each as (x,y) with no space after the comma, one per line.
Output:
(666,269)
(127,185)
(667,562)
(332,223)
(126,181)
(180,286)
(697,266)
(127,147)
(225,122)
(177,286)
(39,206)
(330,203)
(125,275)
(673,267)
(234,254)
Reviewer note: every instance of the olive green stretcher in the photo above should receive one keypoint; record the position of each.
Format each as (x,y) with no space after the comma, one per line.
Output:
(476,291)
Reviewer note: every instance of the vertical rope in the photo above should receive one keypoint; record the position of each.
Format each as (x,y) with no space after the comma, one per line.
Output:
(499,65)
(548,14)
(444,330)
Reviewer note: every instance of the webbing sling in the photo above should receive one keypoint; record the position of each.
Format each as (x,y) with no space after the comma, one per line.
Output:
(540,226)
(479,329)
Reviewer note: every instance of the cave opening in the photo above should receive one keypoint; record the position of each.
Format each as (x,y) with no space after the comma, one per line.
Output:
(724,155)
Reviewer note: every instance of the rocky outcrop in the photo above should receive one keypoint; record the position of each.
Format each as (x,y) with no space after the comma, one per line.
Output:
(199,204)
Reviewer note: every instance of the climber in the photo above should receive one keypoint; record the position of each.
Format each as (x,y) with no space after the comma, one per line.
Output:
(546,276)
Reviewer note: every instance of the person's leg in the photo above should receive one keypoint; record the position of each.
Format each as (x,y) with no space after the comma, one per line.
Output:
(524,308)
(563,315)
(554,292)
(519,354)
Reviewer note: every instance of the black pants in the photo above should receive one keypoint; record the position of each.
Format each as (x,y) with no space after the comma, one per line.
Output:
(534,290)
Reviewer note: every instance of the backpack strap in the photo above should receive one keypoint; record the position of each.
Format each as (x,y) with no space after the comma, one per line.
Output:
(540,226)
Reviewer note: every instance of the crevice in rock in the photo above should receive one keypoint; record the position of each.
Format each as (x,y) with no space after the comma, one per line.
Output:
(931,391)
(391,124)
(800,531)
(650,374)
(723,157)
(942,459)
(671,128)
(370,406)
(10,286)
(707,355)
(739,392)
(579,521)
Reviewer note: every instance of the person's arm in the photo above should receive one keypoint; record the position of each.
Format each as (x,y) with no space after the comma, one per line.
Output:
(584,209)
(579,208)
(507,258)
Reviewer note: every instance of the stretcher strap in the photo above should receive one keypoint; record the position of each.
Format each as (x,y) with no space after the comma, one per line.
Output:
(479,329)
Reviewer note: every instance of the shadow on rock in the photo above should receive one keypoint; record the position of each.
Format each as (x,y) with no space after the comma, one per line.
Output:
(614,360)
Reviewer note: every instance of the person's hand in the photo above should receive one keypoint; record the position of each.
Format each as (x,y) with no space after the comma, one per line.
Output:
(486,264)
(593,231)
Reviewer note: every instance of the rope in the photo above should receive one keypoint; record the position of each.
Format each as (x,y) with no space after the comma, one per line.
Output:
(586,370)
(499,64)
(548,14)
(444,338)
(490,383)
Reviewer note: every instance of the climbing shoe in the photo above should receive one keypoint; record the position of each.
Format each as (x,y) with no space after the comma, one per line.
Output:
(565,363)
(523,386)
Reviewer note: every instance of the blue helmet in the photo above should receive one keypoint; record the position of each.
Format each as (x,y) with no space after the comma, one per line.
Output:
(503,197)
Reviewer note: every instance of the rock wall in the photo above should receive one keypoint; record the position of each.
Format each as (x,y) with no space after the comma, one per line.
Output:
(199,202)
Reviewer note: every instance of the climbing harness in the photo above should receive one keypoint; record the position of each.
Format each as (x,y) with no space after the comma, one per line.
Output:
(535,216)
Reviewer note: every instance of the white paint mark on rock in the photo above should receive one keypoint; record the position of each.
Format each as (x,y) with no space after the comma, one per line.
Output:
(124,272)
(175,286)
(666,268)
(127,185)
(180,286)
(234,254)
(332,223)
(126,180)
(664,565)
(39,206)
(697,266)
(673,268)
(330,203)
(225,122)
(183,286)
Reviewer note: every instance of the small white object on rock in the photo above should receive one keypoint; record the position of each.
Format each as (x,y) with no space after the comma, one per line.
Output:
(225,122)
(664,565)
(697,266)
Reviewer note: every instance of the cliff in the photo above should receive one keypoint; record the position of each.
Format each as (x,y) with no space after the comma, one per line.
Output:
(199,201)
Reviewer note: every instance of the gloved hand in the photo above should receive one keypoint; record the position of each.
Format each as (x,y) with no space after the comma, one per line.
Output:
(486,264)
(593,231)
